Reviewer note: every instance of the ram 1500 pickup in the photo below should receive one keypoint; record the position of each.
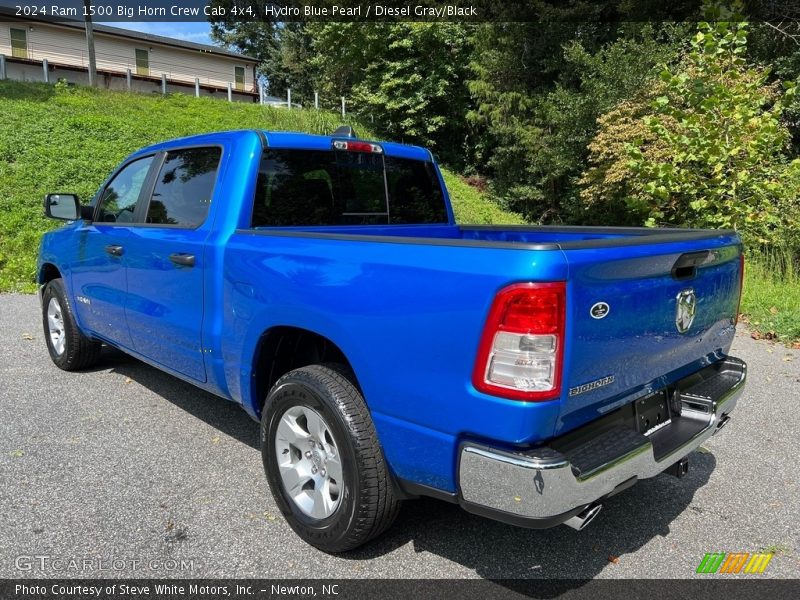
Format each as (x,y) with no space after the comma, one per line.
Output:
(525,373)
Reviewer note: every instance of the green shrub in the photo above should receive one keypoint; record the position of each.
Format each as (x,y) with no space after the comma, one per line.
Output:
(704,145)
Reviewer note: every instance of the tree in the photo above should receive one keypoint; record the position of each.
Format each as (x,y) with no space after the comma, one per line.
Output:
(282,49)
(405,79)
(610,193)
(714,152)
(289,65)
(539,89)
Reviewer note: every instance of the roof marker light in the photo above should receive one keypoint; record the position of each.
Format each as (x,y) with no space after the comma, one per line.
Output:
(357,146)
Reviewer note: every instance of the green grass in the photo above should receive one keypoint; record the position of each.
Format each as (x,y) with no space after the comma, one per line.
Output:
(57,139)
(473,207)
(771,295)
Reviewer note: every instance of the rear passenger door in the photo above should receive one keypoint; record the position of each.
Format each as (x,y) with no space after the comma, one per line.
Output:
(166,260)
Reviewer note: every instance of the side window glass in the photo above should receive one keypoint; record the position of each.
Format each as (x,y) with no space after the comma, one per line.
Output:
(118,200)
(415,195)
(184,187)
(295,188)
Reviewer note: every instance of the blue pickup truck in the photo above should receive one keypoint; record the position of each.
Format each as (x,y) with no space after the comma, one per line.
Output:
(525,373)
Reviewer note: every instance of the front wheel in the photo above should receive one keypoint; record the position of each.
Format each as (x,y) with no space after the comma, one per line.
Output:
(69,348)
(322,459)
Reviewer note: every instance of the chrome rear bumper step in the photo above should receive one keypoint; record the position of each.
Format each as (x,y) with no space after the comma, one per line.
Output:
(543,487)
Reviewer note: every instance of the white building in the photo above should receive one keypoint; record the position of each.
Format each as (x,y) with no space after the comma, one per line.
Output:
(124,58)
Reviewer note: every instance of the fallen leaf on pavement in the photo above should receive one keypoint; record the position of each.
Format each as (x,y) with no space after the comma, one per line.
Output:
(215,439)
(27,336)
(613,559)
(17,454)
(128,380)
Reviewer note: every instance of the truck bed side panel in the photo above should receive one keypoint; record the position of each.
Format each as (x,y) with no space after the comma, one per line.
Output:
(408,317)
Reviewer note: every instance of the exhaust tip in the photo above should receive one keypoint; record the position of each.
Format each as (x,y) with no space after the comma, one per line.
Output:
(722,422)
(583,518)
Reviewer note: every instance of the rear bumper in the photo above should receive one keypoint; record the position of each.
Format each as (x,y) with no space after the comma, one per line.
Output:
(544,487)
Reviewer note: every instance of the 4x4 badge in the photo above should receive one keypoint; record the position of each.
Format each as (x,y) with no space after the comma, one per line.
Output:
(685,309)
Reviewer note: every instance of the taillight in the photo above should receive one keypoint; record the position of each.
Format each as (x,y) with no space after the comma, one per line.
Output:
(357,146)
(741,285)
(521,350)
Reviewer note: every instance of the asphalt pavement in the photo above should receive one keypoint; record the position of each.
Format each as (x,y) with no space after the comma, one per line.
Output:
(125,471)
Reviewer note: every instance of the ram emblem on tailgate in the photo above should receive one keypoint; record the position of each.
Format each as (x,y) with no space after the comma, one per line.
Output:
(685,309)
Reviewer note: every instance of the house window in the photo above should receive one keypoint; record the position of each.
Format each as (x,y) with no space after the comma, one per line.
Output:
(238,74)
(142,62)
(19,43)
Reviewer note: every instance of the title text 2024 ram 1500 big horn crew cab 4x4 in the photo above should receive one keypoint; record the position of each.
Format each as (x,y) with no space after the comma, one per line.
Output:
(321,282)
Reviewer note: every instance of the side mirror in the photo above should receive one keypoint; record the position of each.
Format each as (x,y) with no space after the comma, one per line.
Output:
(65,207)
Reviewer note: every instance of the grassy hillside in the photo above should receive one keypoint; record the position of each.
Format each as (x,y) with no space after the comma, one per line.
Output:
(57,139)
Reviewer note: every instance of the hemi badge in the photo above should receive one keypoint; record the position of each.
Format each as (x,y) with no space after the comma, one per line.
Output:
(592,385)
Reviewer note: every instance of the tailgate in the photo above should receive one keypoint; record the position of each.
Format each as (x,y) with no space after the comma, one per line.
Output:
(640,317)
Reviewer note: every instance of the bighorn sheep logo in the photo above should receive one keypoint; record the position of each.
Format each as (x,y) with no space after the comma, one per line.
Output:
(685,309)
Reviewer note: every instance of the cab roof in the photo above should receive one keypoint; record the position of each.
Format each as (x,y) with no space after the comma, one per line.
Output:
(289,140)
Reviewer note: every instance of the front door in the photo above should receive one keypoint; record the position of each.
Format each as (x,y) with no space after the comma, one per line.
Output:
(98,269)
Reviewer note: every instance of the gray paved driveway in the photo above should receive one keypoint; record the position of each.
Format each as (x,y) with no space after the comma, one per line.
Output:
(124,463)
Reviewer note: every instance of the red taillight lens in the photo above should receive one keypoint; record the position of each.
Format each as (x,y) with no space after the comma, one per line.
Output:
(741,285)
(357,146)
(522,346)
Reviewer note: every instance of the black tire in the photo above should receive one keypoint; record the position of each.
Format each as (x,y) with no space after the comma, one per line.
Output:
(368,503)
(79,351)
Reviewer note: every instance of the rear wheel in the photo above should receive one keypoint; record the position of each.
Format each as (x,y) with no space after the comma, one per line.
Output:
(69,348)
(322,459)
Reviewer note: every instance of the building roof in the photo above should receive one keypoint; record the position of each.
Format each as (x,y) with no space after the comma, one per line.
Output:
(136,35)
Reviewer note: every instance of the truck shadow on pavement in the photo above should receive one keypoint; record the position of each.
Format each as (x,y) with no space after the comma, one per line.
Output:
(492,550)
(228,417)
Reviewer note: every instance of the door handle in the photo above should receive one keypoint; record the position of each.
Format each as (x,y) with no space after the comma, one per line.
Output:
(115,250)
(184,260)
